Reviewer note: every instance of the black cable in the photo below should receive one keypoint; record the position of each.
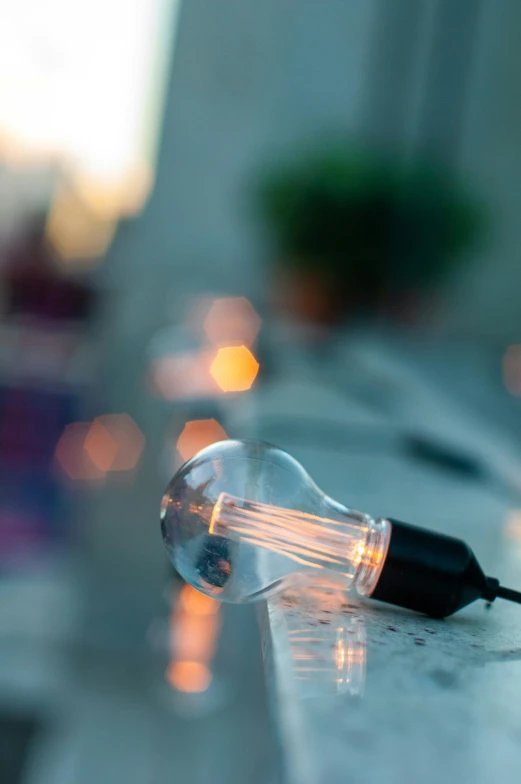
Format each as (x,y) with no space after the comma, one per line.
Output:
(379,438)
(508,593)
(374,438)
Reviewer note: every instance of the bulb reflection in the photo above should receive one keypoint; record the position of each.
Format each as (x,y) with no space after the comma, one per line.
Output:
(329,658)
(194,628)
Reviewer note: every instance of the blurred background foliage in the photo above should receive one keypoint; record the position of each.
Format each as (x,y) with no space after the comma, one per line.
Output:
(372,226)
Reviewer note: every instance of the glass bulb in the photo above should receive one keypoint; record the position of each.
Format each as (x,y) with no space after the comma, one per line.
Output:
(242,519)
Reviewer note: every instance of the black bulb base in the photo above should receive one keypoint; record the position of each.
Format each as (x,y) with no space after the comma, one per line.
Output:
(431,573)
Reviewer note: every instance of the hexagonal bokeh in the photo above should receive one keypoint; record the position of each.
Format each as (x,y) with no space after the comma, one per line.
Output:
(232,320)
(234,368)
(114,442)
(71,456)
(197,434)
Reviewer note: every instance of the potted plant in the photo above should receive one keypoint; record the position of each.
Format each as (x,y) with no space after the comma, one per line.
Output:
(358,232)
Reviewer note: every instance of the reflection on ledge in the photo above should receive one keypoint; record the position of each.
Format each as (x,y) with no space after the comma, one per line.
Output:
(329,659)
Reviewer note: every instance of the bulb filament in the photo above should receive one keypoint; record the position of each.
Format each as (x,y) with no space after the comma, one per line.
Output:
(309,540)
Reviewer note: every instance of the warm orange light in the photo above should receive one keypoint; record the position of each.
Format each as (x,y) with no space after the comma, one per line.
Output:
(512,369)
(234,368)
(112,197)
(197,434)
(340,654)
(189,676)
(72,456)
(184,375)
(350,657)
(232,319)
(512,525)
(309,540)
(53,92)
(114,442)
(100,446)
(194,630)
(194,637)
(16,154)
(76,233)
(334,656)
(197,603)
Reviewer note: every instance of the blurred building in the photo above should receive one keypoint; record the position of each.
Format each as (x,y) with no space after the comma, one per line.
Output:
(251,80)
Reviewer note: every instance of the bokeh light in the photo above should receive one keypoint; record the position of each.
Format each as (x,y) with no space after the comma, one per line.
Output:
(89,450)
(232,319)
(512,369)
(188,676)
(512,526)
(93,119)
(197,434)
(114,442)
(76,233)
(194,629)
(234,368)
(100,446)
(195,637)
(208,354)
(197,603)
(71,455)
(183,376)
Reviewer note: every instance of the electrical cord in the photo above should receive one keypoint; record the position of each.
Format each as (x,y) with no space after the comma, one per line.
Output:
(509,594)
(413,446)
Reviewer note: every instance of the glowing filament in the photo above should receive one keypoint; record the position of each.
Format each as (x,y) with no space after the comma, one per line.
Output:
(307,539)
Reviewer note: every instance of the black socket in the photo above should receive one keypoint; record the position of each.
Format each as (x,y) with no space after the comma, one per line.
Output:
(431,573)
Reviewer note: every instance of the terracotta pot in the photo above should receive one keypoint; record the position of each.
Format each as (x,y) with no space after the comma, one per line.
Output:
(309,296)
(312,297)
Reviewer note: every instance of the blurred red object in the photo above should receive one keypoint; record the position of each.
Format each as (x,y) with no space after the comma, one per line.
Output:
(35,289)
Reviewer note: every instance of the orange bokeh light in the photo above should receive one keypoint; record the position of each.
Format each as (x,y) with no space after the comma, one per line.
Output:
(197,434)
(512,369)
(72,456)
(194,637)
(184,375)
(232,319)
(100,446)
(78,235)
(197,603)
(194,628)
(234,368)
(189,676)
(512,525)
(114,442)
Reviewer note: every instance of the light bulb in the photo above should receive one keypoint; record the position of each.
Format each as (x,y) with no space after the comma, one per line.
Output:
(242,519)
